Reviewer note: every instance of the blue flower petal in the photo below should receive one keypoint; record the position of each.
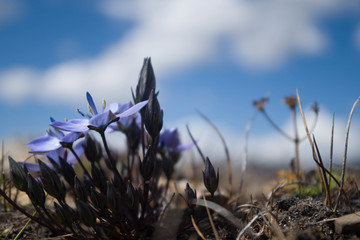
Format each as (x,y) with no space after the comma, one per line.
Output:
(102,119)
(133,109)
(73,125)
(184,147)
(113,107)
(91,102)
(44,144)
(71,137)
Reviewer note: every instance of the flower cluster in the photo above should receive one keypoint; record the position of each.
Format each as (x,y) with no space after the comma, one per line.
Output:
(111,197)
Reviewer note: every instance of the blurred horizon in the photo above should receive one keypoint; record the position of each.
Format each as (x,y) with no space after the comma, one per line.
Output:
(213,56)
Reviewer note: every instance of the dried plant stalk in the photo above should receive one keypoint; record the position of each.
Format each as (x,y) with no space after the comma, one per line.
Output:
(197,228)
(211,220)
(345,153)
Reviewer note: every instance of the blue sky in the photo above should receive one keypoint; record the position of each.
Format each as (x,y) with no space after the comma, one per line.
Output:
(215,56)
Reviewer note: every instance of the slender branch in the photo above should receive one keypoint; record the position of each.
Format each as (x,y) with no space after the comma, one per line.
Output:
(81,164)
(111,159)
(272,123)
(296,143)
(196,145)
(15,205)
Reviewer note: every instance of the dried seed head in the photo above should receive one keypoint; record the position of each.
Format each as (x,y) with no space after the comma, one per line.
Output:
(291,101)
(315,107)
(260,104)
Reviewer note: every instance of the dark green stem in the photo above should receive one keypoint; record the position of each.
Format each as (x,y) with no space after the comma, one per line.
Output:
(15,205)
(81,164)
(111,159)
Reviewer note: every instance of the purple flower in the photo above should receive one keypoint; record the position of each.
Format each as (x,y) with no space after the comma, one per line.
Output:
(170,150)
(98,121)
(52,141)
(124,122)
(169,140)
(52,146)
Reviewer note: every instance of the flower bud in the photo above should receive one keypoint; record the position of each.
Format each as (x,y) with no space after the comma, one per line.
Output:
(67,171)
(112,198)
(92,148)
(97,199)
(211,179)
(51,182)
(133,136)
(18,175)
(153,117)
(119,184)
(86,213)
(189,195)
(80,190)
(64,214)
(35,191)
(98,177)
(131,196)
(146,81)
(147,165)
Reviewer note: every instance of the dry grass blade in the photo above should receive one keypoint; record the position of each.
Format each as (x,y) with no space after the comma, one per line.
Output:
(197,228)
(196,145)
(228,161)
(247,227)
(275,226)
(345,152)
(220,210)
(322,167)
(244,159)
(331,147)
(211,220)
(309,138)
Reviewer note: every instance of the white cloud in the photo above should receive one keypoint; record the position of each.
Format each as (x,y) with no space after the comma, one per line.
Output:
(178,34)
(10,10)
(18,83)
